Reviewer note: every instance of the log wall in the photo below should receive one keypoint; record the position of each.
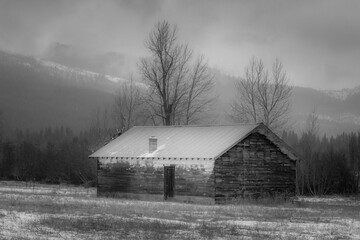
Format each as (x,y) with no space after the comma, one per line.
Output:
(146,176)
(253,168)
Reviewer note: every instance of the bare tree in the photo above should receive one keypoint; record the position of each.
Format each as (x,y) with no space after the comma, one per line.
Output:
(100,129)
(177,87)
(199,86)
(354,159)
(127,106)
(312,126)
(263,97)
(313,169)
(308,143)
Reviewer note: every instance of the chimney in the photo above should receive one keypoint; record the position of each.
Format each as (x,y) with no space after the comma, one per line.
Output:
(152,144)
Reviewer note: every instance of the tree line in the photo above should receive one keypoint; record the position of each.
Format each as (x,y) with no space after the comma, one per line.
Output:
(51,155)
(327,165)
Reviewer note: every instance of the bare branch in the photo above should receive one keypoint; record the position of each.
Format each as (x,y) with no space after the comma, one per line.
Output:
(176,87)
(262,97)
(126,109)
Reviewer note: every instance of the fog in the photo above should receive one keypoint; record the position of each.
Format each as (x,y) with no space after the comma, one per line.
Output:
(318,41)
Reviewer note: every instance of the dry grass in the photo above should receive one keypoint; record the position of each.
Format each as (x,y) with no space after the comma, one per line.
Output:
(65,212)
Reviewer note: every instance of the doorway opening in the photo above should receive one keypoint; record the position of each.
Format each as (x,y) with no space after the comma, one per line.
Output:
(169,181)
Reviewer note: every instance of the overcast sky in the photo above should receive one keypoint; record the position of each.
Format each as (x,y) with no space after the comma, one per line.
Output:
(317,41)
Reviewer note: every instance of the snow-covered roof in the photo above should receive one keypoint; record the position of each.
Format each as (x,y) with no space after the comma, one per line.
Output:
(180,142)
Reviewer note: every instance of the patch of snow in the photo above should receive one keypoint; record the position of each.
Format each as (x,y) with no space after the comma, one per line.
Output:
(342,94)
(331,200)
(115,79)
(247,223)
(113,153)
(15,224)
(167,221)
(80,72)
(201,164)
(40,189)
(153,154)
(343,118)
(309,230)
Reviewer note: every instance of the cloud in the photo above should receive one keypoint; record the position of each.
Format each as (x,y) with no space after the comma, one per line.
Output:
(309,36)
(25,25)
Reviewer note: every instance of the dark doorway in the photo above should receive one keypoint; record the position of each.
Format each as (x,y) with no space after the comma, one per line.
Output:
(169,181)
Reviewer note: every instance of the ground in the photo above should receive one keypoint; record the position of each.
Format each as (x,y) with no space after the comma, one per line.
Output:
(35,211)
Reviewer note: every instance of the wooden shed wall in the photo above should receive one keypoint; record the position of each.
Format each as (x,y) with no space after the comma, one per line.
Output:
(192,178)
(253,168)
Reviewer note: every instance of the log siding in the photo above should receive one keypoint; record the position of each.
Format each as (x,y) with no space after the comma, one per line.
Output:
(145,177)
(253,168)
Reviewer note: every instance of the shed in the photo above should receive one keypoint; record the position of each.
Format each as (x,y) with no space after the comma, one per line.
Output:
(217,161)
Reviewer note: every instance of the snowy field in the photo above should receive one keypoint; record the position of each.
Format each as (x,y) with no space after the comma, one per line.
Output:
(37,211)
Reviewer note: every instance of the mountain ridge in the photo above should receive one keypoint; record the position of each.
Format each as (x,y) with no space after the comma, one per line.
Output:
(32,96)
(36,93)
(343,93)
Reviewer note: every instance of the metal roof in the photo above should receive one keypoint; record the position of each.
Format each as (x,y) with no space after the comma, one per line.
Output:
(179,142)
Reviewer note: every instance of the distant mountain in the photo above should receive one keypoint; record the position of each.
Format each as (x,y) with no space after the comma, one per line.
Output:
(336,114)
(35,93)
(339,111)
(342,94)
(109,63)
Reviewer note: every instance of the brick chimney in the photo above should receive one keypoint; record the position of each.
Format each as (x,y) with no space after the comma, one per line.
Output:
(152,144)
